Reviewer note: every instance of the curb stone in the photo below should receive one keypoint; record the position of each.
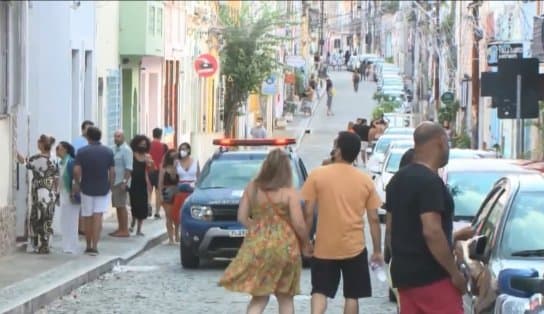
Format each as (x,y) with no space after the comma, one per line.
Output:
(23,301)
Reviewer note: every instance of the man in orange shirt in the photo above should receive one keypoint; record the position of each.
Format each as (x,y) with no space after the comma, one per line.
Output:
(342,194)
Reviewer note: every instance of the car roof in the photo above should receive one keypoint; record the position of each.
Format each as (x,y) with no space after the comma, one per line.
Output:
(399,136)
(530,182)
(394,128)
(483,164)
(246,154)
(398,150)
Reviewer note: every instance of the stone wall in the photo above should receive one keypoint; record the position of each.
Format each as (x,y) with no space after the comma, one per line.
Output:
(7,230)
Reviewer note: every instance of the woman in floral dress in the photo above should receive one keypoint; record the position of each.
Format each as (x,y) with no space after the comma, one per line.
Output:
(269,261)
(43,191)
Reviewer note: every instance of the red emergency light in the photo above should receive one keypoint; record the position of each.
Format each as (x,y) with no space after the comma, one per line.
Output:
(254,142)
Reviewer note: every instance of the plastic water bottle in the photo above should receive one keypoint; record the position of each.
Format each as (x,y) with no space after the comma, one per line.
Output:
(379,271)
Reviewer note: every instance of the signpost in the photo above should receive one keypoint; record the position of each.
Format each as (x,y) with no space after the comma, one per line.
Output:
(515,90)
(269,86)
(295,61)
(206,65)
(447,98)
(503,50)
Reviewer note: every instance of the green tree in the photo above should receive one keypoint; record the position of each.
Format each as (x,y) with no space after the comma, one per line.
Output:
(249,54)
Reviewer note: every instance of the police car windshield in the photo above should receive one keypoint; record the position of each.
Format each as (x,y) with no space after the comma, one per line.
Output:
(234,174)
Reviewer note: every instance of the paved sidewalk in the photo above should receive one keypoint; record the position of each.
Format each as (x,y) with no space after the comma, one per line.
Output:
(28,281)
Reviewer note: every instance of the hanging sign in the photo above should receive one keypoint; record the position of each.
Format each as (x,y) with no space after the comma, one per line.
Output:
(206,65)
(269,86)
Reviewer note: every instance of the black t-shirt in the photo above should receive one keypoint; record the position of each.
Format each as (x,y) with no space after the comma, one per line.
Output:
(362,131)
(414,190)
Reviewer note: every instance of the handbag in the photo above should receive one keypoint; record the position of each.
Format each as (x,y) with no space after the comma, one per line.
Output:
(168,194)
(75,198)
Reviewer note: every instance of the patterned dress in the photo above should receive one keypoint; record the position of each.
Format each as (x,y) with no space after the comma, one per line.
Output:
(269,260)
(44,175)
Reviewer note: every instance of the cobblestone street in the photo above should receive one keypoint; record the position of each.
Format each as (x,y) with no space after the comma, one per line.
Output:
(156,283)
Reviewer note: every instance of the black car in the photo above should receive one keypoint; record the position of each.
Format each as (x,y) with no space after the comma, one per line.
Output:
(209,224)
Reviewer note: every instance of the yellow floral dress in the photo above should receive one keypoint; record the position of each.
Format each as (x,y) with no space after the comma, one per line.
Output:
(269,259)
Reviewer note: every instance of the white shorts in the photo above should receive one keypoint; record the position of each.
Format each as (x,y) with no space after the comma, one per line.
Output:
(364,145)
(91,205)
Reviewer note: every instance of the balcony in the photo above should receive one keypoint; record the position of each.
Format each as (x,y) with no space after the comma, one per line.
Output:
(141,28)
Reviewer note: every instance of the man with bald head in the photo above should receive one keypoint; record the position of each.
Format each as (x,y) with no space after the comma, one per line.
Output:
(422,266)
(123,168)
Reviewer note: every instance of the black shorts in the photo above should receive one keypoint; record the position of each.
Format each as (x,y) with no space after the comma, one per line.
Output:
(154,178)
(355,274)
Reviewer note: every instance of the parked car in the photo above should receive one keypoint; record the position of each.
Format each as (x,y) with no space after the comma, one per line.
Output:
(509,234)
(377,157)
(209,223)
(469,181)
(458,153)
(396,130)
(390,167)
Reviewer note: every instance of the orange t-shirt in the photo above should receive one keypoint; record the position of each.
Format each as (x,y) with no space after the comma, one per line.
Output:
(343,193)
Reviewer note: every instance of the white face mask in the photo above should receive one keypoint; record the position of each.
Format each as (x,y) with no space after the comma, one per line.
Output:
(183,153)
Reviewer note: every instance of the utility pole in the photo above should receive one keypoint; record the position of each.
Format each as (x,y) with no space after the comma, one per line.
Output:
(475,79)
(437,64)
(321,31)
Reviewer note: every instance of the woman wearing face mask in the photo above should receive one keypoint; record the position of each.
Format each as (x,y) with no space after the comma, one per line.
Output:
(188,171)
(69,201)
(43,191)
(139,181)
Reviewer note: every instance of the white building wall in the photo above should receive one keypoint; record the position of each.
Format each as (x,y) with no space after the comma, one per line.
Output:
(107,67)
(60,91)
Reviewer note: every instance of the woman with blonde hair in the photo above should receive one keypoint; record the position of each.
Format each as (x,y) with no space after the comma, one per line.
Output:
(269,261)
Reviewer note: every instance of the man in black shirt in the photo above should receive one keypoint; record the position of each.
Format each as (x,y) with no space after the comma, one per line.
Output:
(362,128)
(422,266)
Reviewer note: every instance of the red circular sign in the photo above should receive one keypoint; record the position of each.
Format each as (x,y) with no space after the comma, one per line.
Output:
(206,65)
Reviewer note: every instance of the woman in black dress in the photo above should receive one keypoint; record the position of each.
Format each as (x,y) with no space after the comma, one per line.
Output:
(139,184)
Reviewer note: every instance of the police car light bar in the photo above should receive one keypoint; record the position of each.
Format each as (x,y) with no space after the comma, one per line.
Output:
(254,142)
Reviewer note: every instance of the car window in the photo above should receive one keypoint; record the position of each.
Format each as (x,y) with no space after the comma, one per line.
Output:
(491,224)
(235,174)
(393,163)
(382,145)
(478,220)
(469,189)
(524,227)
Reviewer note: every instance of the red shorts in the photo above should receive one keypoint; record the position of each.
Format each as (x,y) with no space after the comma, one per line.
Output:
(439,297)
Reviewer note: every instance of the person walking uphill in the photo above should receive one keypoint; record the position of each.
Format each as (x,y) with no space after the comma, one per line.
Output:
(43,192)
(356,80)
(94,175)
(343,194)
(330,94)
(269,260)
(423,268)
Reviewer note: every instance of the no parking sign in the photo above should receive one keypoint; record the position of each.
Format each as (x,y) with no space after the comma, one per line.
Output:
(206,65)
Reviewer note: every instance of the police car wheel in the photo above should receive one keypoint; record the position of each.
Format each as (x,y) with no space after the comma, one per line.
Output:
(188,259)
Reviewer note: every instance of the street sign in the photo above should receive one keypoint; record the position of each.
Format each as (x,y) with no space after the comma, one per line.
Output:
(295,61)
(447,98)
(503,50)
(206,65)
(269,86)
